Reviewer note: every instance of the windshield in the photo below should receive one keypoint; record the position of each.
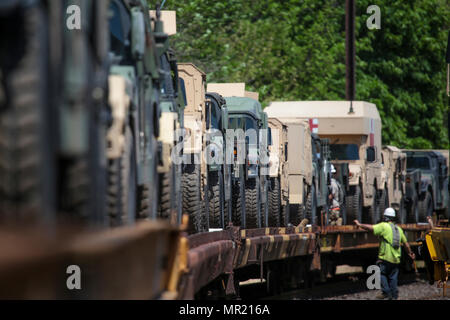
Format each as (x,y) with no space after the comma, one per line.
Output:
(215,116)
(418,163)
(119,28)
(344,152)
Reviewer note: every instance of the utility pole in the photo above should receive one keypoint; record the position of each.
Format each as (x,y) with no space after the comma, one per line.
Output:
(350,78)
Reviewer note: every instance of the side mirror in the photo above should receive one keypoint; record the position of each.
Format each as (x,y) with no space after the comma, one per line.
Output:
(370,154)
(270,137)
(208,113)
(138,34)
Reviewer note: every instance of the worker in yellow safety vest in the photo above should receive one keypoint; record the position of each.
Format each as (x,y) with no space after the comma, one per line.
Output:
(392,237)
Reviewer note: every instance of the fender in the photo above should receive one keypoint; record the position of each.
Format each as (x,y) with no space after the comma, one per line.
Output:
(274,165)
(119,100)
(167,129)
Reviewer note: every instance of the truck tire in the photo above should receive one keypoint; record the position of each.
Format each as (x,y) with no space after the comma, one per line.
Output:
(354,204)
(122,190)
(373,212)
(265,211)
(284,217)
(252,205)
(26,153)
(238,203)
(425,207)
(311,205)
(192,200)
(402,215)
(413,210)
(275,203)
(383,200)
(215,199)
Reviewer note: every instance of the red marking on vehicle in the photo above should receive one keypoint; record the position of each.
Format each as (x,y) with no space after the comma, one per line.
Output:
(372,133)
(314,125)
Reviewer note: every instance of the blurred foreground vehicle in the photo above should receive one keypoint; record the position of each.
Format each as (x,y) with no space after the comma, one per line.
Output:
(53,121)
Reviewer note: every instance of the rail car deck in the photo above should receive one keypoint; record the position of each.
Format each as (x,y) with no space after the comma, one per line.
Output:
(153,260)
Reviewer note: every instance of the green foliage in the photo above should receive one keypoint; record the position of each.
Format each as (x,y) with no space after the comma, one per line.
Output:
(295,50)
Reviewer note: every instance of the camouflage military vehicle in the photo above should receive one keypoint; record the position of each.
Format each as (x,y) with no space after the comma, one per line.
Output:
(433,191)
(354,131)
(394,181)
(171,120)
(134,87)
(309,172)
(53,109)
(246,119)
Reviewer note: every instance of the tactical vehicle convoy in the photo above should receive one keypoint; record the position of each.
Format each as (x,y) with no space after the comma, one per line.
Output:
(309,168)
(246,122)
(433,188)
(135,90)
(354,132)
(394,180)
(53,84)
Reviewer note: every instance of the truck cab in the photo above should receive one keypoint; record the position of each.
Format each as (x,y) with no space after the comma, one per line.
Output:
(433,191)
(354,132)
(244,137)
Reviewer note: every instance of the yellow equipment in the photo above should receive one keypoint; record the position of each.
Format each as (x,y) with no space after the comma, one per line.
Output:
(438,243)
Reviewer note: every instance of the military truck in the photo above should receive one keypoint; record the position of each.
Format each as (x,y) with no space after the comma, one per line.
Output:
(246,121)
(53,110)
(194,172)
(354,131)
(309,168)
(171,120)
(394,180)
(219,171)
(433,191)
(278,174)
(134,93)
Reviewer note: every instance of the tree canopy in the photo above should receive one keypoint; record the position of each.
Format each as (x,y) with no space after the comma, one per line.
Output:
(295,50)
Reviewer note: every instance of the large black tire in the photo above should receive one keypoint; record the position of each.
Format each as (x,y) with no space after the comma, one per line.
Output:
(238,203)
(413,210)
(402,214)
(252,205)
(216,199)
(122,190)
(354,204)
(275,203)
(383,200)
(26,132)
(373,212)
(425,207)
(192,200)
(311,205)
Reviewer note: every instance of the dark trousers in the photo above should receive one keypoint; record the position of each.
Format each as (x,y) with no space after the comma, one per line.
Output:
(389,279)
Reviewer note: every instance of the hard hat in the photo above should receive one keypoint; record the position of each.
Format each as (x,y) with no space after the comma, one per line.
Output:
(333,169)
(389,212)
